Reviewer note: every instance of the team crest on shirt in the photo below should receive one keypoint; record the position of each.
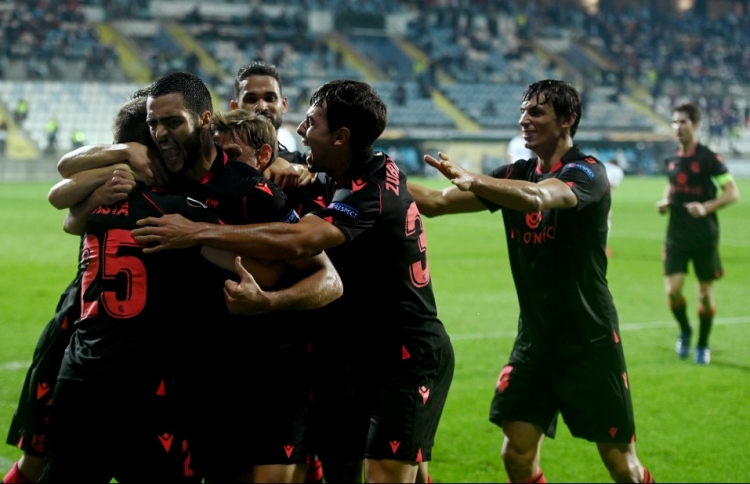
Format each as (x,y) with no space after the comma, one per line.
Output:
(535,232)
(533,219)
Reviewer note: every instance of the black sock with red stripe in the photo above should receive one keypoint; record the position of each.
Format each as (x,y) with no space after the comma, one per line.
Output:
(706,322)
(680,314)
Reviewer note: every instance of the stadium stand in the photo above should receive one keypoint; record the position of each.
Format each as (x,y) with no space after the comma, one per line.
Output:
(446,66)
(86,106)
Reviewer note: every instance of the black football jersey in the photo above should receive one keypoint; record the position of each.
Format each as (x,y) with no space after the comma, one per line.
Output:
(692,179)
(132,304)
(388,295)
(558,260)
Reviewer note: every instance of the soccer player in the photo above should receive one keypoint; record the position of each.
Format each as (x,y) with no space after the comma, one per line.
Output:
(30,427)
(692,199)
(115,378)
(257,87)
(383,378)
(272,351)
(568,357)
(179,115)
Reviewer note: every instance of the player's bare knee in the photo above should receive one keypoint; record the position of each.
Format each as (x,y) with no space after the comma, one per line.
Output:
(705,295)
(518,459)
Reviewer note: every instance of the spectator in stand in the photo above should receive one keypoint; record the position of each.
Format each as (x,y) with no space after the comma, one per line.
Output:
(21,112)
(77,138)
(257,87)
(3,138)
(53,127)
(399,95)
(568,357)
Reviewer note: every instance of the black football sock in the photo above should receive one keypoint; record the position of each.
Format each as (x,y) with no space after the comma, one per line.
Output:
(706,322)
(680,314)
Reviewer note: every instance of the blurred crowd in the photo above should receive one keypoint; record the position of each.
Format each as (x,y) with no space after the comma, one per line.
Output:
(667,58)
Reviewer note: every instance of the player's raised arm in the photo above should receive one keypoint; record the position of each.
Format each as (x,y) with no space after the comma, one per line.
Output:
(519,195)
(72,191)
(116,189)
(146,166)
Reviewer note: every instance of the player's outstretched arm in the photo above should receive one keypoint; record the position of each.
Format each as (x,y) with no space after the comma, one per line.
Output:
(450,200)
(519,195)
(271,241)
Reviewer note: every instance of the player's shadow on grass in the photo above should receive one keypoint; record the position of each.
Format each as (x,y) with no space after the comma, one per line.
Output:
(730,364)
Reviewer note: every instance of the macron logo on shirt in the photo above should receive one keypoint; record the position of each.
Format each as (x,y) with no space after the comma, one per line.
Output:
(264,187)
(358,185)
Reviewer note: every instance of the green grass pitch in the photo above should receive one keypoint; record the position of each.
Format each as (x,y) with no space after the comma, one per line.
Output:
(693,422)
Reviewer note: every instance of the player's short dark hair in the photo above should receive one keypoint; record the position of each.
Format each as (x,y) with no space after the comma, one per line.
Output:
(195,93)
(141,92)
(564,98)
(130,124)
(253,129)
(355,105)
(256,68)
(691,109)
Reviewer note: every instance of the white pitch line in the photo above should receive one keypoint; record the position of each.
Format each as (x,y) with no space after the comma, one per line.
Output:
(6,463)
(623,327)
(15,365)
(728,240)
